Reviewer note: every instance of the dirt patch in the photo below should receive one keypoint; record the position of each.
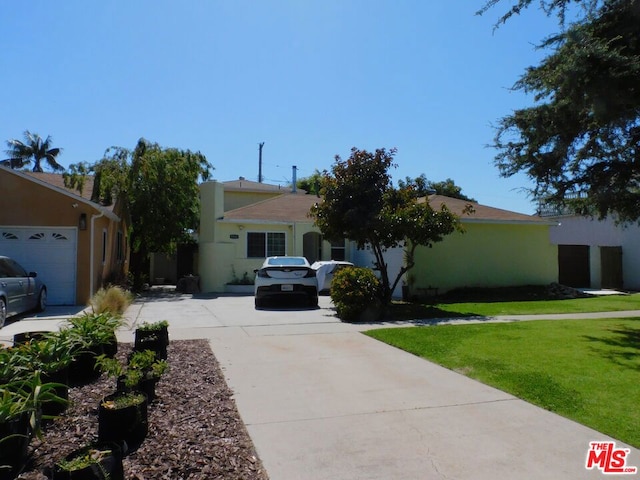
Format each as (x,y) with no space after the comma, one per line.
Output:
(195,431)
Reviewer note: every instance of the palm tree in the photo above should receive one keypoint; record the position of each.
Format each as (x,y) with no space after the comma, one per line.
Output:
(32,149)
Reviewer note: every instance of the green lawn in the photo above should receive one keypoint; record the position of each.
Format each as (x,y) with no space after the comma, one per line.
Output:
(586,370)
(463,306)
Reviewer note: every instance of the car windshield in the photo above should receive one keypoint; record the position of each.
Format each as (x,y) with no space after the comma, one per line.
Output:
(287,261)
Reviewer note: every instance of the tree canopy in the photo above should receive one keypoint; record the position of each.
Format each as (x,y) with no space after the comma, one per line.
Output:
(160,188)
(580,141)
(423,187)
(360,203)
(33,149)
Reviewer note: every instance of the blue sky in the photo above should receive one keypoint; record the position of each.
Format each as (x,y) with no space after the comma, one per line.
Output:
(310,79)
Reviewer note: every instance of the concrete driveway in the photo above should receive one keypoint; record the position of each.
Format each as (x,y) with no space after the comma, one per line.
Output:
(322,401)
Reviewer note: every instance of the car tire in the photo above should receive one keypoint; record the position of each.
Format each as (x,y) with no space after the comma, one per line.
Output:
(259,302)
(3,312)
(42,300)
(313,302)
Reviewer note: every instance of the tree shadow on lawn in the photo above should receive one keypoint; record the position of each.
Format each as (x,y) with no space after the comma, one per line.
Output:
(623,349)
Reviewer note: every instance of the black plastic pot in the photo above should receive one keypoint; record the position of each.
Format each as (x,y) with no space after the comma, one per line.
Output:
(83,367)
(109,466)
(14,442)
(53,408)
(129,423)
(24,337)
(155,340)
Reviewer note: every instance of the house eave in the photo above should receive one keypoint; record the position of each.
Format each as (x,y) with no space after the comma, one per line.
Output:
(508,222)
(76,198)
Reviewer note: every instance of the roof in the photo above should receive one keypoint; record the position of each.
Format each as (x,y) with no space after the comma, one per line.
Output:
(55,182)
(294,208)
(482,213)
(244,185)
(285,208)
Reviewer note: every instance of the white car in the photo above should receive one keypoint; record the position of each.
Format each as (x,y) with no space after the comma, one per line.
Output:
(325,270)
(286,277)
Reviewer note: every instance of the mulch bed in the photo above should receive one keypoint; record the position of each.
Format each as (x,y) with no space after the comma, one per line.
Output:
(195,431)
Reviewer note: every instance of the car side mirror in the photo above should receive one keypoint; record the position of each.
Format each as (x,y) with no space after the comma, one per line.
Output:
(255,270)
(33,274)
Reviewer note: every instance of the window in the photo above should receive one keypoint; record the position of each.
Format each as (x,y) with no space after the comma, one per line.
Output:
(119,247)
(104,247)
(265,244)
(337,250)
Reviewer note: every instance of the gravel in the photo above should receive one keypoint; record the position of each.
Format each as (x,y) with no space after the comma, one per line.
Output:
(195,431)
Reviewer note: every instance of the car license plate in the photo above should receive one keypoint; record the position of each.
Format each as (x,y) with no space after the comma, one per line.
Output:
(286,288)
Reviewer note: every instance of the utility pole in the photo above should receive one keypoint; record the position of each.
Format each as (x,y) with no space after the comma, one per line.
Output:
(260,145)
(294,179)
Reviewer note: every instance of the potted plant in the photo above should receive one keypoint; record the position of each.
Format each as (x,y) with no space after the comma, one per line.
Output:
(237,284)
(153,336)
(122,416)
(51,355)
(98,461)
(142,372)
(21,419)
(92,334)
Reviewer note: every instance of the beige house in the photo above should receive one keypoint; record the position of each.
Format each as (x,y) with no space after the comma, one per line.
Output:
(242,222)
(75,245)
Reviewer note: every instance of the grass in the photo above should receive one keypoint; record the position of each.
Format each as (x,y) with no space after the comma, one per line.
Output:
(490,303)
(585,370)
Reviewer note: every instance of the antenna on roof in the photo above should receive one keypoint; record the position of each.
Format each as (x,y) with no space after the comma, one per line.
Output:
(260,145)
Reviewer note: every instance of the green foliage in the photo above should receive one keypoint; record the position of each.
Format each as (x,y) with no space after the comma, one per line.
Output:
(310,184)
(160,188)
(153,326)
(113,300)
(91,330)
(353,291)
(423,187)
(360,203)
(142,365)
(579,142)
(33,149)
(91,456)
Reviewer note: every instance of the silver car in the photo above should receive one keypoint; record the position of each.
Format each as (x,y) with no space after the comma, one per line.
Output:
(286,277)
(19,291)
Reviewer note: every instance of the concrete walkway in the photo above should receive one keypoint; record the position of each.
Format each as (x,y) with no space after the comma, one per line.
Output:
(322,401)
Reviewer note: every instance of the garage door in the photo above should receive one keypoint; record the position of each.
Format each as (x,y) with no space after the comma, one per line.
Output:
(49,251)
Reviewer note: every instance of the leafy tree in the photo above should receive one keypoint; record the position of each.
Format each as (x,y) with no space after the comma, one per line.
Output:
(33,149)
(580,141)
(360,203)
(310,184)
(423,187)
(160,187)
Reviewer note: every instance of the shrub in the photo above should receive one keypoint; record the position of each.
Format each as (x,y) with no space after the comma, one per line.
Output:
(114,300)
(353,291)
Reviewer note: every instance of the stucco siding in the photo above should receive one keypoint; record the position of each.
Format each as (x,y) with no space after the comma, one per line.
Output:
(488,255)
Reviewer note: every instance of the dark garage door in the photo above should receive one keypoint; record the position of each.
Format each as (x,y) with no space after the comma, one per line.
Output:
(611,265)
(573,265)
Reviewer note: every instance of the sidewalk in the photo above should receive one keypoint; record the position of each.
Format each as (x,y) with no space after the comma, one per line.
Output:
(322,401)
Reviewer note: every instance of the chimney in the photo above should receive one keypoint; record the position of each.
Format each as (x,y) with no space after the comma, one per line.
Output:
(294,180)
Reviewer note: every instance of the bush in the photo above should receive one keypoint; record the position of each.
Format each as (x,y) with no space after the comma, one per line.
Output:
(353,291)
(114,300)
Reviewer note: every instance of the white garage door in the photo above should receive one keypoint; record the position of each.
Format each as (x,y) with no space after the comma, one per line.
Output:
(51,252)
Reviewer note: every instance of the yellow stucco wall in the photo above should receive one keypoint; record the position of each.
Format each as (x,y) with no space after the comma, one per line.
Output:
(488,255)
(223,245)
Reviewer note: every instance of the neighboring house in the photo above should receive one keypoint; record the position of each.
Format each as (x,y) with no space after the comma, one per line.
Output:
(242,222)
(75,245)
(498,248)
(596,253)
